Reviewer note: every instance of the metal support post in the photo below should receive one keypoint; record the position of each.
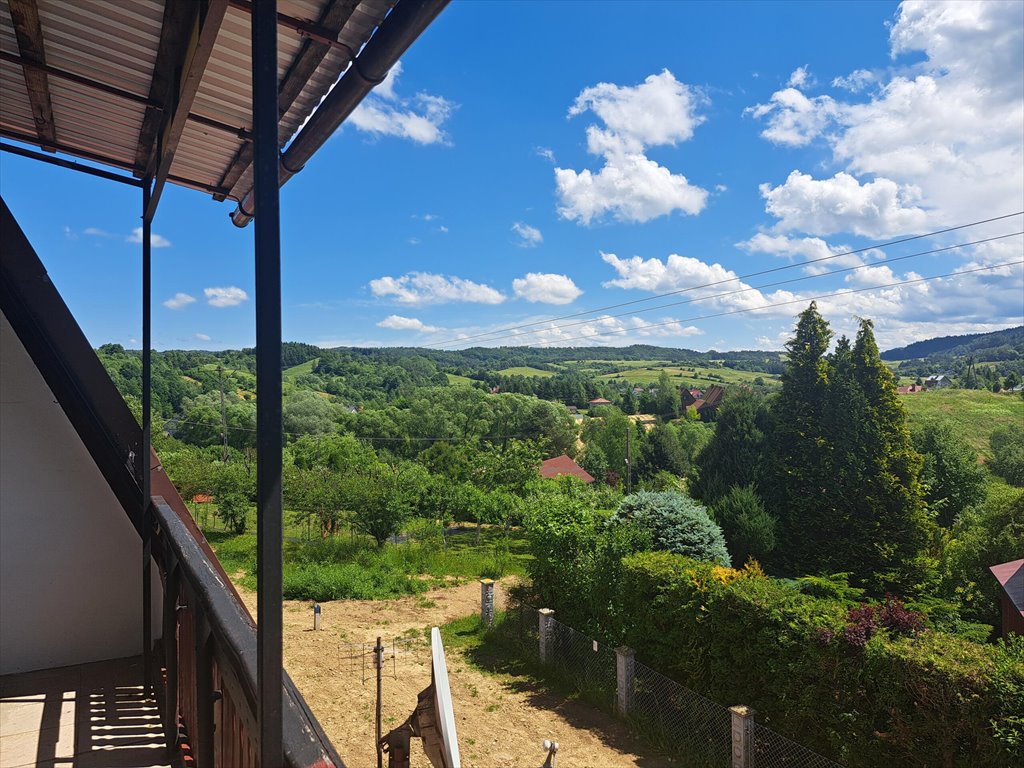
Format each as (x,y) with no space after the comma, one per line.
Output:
(144,459)
(268,378)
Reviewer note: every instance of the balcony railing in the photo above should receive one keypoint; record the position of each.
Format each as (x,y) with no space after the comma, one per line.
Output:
(209,662)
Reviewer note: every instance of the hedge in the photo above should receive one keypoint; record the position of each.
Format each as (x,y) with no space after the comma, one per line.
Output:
(868,686)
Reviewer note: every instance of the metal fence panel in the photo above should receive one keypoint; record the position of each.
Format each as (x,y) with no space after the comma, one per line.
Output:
(680,720)
(773,750)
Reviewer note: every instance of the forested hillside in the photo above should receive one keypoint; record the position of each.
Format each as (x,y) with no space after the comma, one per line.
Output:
(998,345)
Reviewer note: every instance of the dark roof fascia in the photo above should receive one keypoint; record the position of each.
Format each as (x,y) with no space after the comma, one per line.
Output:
(70,367)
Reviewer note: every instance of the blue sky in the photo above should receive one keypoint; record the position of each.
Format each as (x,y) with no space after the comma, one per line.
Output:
(528,161)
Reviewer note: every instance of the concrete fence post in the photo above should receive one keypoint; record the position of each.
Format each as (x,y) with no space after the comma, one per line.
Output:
(625,679)
(742,736)
(487,602)
(544,626)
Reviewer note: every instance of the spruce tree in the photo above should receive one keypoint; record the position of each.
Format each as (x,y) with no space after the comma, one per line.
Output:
(892,526)
(795,483)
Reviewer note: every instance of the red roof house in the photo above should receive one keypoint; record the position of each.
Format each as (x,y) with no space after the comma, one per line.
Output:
(599,401)
(563,465)
(1011,578)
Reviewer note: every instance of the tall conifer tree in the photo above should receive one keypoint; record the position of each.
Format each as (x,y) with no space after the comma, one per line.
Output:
(892,528)
(798,462)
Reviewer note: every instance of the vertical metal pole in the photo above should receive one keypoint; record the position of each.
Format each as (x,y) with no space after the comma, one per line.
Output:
(268,376)
(147,423)
(378,662)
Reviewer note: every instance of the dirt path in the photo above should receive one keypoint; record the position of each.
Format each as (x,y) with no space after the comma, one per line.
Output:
(501,720)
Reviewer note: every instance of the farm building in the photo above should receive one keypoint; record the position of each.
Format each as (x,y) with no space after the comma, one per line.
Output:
(118,620)
(1011,600)
(564,465)
(708,405)
(910,389)
(939,381)
(689,396)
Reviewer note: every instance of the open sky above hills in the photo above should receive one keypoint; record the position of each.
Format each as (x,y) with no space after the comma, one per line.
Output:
(528,161)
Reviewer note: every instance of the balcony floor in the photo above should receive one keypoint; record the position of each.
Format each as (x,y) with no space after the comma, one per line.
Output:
(85,716)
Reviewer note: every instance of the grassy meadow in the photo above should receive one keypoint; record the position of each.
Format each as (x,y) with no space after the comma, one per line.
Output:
(352,566)
(525,370)
(974,413)
(703,376)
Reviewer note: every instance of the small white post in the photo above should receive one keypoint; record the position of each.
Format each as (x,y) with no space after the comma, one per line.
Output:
(316,617)
(487,602)
(742,736)
(544,625)
(625,679)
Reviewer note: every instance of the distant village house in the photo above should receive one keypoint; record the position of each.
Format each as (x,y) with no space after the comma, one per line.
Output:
(940,381)
(1011,600)
(909,390)
(563,465)
(598,401)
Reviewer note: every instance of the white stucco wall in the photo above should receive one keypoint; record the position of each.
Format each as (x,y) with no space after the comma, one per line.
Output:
(70,573)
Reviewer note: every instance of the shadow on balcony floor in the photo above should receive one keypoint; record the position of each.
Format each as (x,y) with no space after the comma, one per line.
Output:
(85,716)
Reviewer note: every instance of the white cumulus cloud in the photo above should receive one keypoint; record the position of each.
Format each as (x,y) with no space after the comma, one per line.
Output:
(947,126)
(878,209)
(179,301)
(229,296)
(419,118)
(630,186)
(529,237)
(400,323)
(546,288)
(427,288)
(201,337)
(157,241)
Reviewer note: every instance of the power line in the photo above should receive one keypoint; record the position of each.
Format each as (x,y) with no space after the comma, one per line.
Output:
(728,280)
(754,288)
(213,425)
(794,301)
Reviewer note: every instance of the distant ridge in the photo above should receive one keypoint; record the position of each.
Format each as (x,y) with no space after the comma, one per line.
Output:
(953,346)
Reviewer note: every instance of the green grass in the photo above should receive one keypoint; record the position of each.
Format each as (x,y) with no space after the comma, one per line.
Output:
(290,374)
(700,375)
(974,413)
(455,380)
(354,567)
(525,370)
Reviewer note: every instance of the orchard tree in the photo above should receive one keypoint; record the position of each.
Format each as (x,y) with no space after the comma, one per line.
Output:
(951,477)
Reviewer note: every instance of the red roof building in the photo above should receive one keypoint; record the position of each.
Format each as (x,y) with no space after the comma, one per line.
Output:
(1011,578)
(563,465)
(599,401)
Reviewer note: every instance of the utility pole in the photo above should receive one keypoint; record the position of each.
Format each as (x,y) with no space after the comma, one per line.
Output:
(223,416)
(629,458)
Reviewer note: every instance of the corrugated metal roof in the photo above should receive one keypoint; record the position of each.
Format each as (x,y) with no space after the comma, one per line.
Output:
(116,44)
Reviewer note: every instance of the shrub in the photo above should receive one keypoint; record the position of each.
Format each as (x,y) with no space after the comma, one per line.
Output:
(867,685)
(1008,454)
(749,530)
(233,509)
(676,523)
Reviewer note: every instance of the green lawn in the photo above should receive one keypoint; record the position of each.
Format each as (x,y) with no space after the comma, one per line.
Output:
(700,375)
(974,413)
(290,374)
(455,380)
(525,370)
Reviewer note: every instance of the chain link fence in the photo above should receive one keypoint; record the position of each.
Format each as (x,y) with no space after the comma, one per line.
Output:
(582,663)
(679,720)
(670,716)
(773,750)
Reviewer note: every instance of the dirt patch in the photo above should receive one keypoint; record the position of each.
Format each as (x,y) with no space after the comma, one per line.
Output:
(501,720)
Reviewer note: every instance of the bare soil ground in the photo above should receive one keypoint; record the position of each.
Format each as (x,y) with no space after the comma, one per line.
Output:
(502,720)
